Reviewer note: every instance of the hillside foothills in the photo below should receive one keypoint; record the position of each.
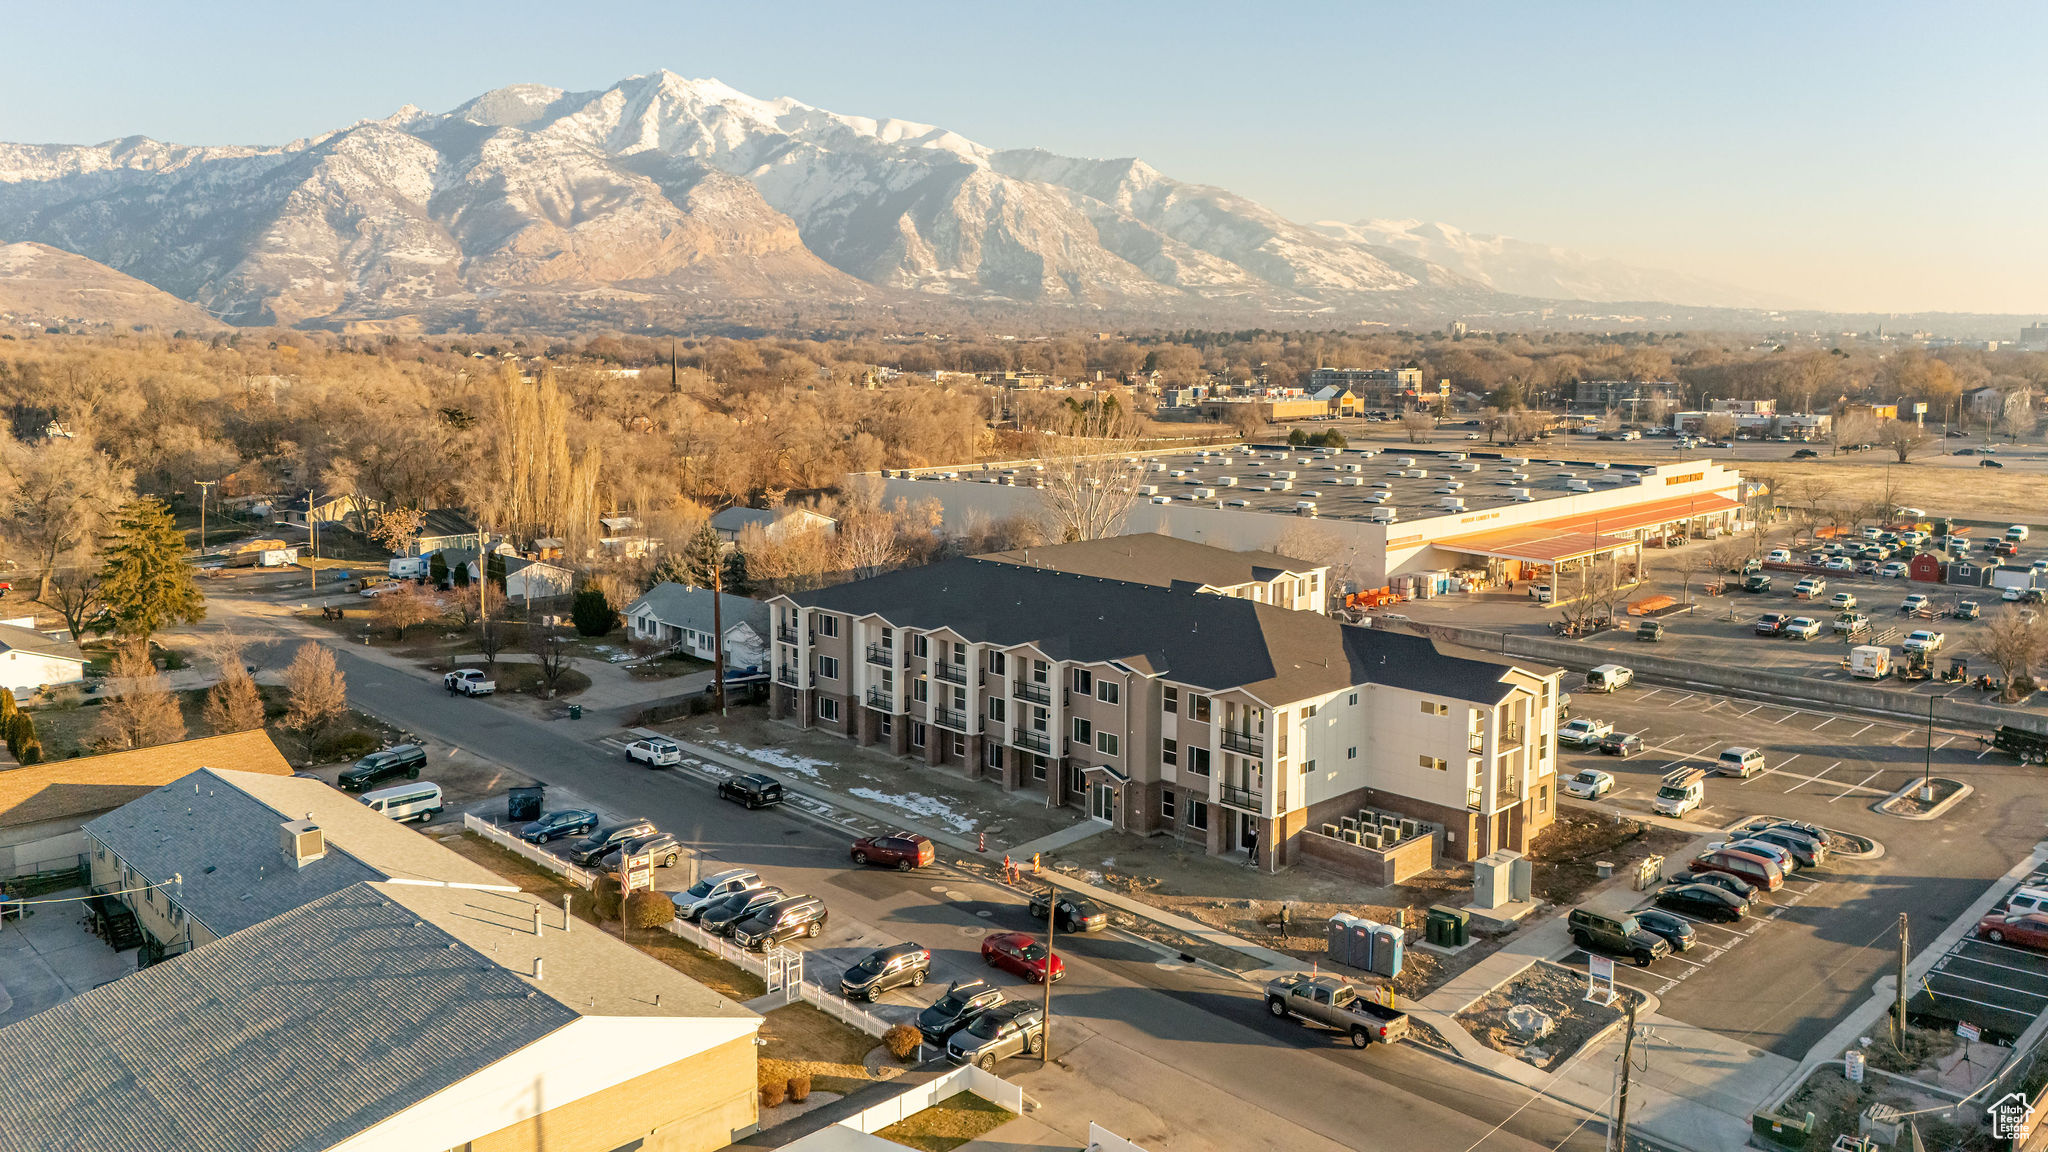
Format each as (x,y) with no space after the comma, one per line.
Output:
(49,286)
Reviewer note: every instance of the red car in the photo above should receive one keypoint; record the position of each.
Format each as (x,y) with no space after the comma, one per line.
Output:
(1020,955)
(2027,930)
(902,850)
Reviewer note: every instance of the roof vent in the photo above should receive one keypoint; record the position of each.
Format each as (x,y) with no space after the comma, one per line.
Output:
(303,842)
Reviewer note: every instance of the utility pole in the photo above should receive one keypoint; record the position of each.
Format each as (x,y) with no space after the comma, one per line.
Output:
(1899,1002)
(1628,1045)
(718,618)
(1052,915)
(313,530)
(203,486)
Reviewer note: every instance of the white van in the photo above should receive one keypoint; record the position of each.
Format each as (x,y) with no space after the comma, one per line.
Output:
(417,801)
(1608,677)
(2025,899)
(1741,763)
(1682,791)
(2016,533)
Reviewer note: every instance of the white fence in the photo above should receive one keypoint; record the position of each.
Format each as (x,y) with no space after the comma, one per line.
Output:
(987,1085)
(720,947)
(844,1012)
(1101,1139)
(540,856)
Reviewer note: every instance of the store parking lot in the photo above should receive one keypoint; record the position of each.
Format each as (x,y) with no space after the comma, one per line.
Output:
(1712,941)
(1999,988)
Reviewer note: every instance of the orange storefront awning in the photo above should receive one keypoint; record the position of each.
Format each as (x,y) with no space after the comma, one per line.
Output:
(1585,534)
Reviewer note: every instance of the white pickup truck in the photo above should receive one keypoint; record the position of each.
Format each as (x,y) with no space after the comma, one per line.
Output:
(469,682)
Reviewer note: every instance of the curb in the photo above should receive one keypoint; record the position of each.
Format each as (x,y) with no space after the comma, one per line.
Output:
(1954,798)
(1876,852)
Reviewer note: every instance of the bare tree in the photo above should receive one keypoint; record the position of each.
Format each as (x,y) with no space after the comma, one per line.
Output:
(1090,488)
(1717,426)
(869,534)
(233,704)
(1850,429)
(410,605)
(1903,437)
(1490,421)
(140,711)
(319,695)
(551,652)
(74,592)
(2018,421)
(398,528)
(1245,419)
(491,639)
(2013,641)
(1418,424)
(61,495)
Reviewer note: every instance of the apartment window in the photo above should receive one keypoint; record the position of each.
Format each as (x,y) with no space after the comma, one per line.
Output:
(885,726)
(1169,752)
(1084,681)
(888,637)
(1106,691)
(1198,815)
(828,709)
(920,690)
(995,663)
(828,624)
(959,744)
(992,755)
(828,667)
(959,699)
(995,708)
(920,645)
(1038,767)
(959,655)
(1198,761)
(1106,743)
(1041,672)
(1351,753)
(1169,700)
(1543,798)
(916,734)
(1198,707)
(1432,708)
(1433,763)
(1166,804)
(1041,720)
(1084,732)
(1354,700)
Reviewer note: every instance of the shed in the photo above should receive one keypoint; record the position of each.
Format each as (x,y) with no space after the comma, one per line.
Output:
(1970,574)
(2012,576)
(1926,568)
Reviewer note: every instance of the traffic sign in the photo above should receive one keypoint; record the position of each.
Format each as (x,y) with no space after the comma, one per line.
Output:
(639,874)
(1967,1030)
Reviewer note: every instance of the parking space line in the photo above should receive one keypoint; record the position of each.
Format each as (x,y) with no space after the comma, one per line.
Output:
(1957,950)
(1862,730)
(1858,784)
(1992,964)
(1944,742)
(2007,1008)
(1785,717)
(1992,984)
(1682,699)
(1824,723)
(1650,693)
(1748,711)
(1804,781)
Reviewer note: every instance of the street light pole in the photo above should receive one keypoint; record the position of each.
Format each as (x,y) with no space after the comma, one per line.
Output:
(1052,915)
(313,545)
(1927,763)
(203,486)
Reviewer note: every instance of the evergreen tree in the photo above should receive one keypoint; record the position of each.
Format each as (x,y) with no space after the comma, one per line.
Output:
(437,571)
(592,613)
(494,570)
(146,582)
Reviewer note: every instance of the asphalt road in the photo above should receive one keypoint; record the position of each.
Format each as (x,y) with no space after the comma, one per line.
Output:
(1175,1054)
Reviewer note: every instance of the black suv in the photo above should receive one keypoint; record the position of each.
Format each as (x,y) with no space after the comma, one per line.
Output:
(956,1010)
(398,760)
(1617,934)
(897,966)
(752,790)
(730,912)
(593,847)
(783,920)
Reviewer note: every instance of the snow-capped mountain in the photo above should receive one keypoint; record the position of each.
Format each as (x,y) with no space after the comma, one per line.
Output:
(1522,268)
(667,189)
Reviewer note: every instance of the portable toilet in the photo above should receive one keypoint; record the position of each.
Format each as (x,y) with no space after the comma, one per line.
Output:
(1386,950)
(1339,939)
(1362,942)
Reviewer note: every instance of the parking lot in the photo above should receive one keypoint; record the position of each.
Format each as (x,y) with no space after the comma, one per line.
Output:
(1999,988)
(1811,951)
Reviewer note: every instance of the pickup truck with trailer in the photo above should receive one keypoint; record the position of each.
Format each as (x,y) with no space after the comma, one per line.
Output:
(469,682)
(1332,1003)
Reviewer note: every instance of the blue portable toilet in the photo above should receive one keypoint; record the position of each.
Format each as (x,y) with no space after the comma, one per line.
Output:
(1362,942)
(1386,950)
(1339,940)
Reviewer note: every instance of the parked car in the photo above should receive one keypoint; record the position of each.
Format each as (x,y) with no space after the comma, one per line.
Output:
(594,846)
(885,969)
(1779,556)
(1806,852)
(1739,762)
(1894,570)
(1726,881)
(1589,784)
(1077,914)
(1704,901)
(1850,623)
(1913,603)
(899,850)
(1923,640)
(1842,601)
(722,916)
(1021,955)
(655,752)
(1619,934)
(1757,582)
(1777,855)
(1675,931)
(1760,872)
(782,920)
(1840,564)
(1989,464)
(963,1001)
(1806,454)
(1012,1028)
(752,790)
(2026,930)
(1770,624)
(1621,744)
(1813,832)
(709,890)
(1334,1004)
(661,846)
(469,682)
(398,760)
(1583,732)
(1810,587)
(557,824)
(1801,628)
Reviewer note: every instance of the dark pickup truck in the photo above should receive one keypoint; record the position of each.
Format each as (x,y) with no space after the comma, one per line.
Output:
(1332,1003)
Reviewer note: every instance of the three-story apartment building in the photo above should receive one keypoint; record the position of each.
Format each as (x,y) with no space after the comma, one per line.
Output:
(1158,708)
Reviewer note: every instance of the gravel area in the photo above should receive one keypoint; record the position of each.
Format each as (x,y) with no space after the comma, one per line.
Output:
(1557,993)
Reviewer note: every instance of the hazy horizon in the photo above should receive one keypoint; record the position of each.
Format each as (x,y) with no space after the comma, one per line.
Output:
(1862,158)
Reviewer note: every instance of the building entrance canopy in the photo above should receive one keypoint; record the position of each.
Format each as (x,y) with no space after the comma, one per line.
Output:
(1577,536)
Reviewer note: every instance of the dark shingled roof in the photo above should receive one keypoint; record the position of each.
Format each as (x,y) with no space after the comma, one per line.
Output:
(1212,642)
(1150,558)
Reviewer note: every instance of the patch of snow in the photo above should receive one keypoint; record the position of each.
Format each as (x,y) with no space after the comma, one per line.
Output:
(917,804)
(774,758)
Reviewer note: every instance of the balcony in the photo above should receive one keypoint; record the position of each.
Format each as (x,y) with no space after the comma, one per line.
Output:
(1247,799)
(785,633)
(1510,736)
(1032,693)
(881,700)
(1037,742)
(950,718)
(950,673)
(1244,743)
(882,654)
(786,675)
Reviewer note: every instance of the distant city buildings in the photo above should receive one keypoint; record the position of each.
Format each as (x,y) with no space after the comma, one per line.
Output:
(2034,338)
(1388,388)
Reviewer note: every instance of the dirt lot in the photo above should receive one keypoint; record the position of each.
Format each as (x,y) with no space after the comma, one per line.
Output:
(1565,854)
(1556,992)
(800,1038)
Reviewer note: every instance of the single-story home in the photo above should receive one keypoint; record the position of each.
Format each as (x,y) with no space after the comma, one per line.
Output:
(344,508)
(680,614)
(625,536)
(524,579)
(777,523)
(43,806)
(443,528)
(30,659)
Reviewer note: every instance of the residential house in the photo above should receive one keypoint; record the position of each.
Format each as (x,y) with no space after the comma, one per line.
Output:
(358,986)
(44,807)
(776,523)
(444,528)
(681,615)
(1170,562)
(1232,722)
(625,536)
(30,659)
(525,579)
(1989,406)
(348,509)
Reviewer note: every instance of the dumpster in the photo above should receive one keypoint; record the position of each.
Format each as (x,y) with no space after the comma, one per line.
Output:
(575,711)
(523,804)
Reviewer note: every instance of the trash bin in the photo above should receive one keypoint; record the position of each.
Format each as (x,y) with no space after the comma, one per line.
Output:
(575,711)
(524,804)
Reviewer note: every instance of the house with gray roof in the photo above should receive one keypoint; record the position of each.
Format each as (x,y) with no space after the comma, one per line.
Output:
(776,523)
(1161,707)
(30,659)
(680,616)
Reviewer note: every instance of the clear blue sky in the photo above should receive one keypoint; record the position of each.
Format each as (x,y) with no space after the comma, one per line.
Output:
(1857,155)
